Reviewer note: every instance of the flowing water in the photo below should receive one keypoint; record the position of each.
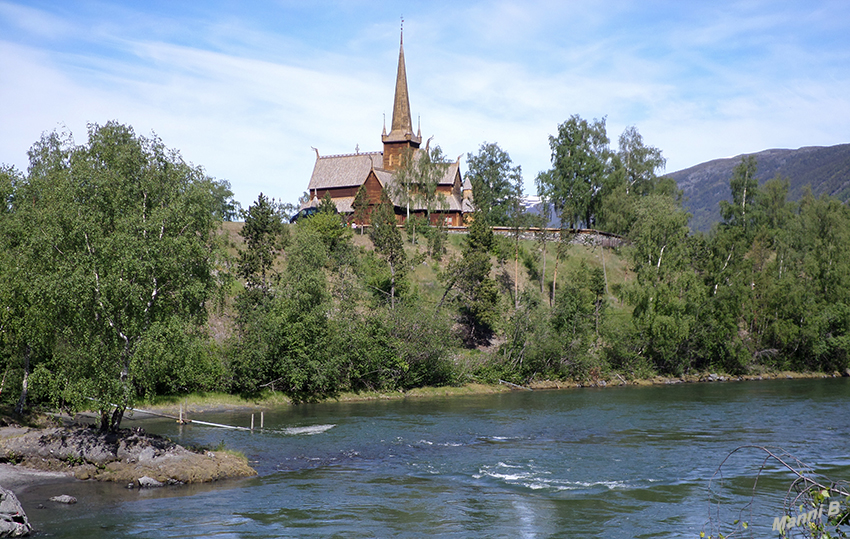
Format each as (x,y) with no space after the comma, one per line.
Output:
(618,462)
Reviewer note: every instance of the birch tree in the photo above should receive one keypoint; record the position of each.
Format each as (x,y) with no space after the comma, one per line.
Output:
(124,229)
(580,159)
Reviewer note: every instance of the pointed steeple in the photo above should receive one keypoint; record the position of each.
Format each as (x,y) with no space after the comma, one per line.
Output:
(401,131)
(402,125)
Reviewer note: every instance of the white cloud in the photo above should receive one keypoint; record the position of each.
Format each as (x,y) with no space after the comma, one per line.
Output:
(246,95)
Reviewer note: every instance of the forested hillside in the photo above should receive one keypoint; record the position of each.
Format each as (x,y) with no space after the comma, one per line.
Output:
(119,282)
(825,169)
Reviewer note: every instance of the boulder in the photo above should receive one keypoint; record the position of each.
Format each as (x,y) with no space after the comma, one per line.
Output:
(148,482)
(13,520)
(64,498)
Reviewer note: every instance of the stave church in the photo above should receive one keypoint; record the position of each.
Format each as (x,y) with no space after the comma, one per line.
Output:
(340,176)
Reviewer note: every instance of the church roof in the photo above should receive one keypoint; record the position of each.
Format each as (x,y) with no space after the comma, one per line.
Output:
(451,172)
(344,170)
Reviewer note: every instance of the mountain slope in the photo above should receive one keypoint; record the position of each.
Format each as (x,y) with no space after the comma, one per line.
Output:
(826,169)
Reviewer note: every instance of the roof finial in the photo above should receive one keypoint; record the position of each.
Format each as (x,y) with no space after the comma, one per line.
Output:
(402,29)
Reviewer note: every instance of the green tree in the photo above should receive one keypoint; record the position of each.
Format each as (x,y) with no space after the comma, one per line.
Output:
(640,163)
(387,241)
(26,319)
(415,182)
(224,207)
(634,174)
(667,292)
(469,286)
(264,236)
(330,228)
(745,194)
(430,169)
(284,340)
(777,210)
(403,187)
(821,307)
(361,208)
(493,179)
(580,162)
(518,220)
(327,205)
(123,228)
(734,269)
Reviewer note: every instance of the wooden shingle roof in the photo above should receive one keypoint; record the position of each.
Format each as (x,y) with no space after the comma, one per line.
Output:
(344,170)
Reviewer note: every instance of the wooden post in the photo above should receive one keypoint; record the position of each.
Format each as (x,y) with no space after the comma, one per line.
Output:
(252,421)
(181,414)
(262,414)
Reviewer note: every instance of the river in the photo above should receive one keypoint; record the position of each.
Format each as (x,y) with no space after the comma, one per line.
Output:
(616,462)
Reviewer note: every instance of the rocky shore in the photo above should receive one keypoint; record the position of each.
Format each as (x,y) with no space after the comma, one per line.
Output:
(132,457)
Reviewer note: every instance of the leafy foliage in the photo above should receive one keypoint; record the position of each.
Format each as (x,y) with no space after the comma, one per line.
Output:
(264,235)
(580,159)
(387,240)
(493,178)
(123,233)
(468,284)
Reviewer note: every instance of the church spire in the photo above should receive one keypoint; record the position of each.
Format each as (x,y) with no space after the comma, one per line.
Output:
(402,126)
(401,130)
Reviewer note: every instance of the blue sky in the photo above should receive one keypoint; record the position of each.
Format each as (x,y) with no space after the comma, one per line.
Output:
(245,89)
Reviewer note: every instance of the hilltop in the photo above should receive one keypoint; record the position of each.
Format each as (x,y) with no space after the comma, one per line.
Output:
(825,169)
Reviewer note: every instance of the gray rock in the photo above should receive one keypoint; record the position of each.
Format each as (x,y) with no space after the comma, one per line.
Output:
(13,520)
(148,482)
(64,498)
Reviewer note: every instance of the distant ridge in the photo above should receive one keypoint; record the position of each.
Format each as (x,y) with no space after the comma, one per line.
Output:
(826,169)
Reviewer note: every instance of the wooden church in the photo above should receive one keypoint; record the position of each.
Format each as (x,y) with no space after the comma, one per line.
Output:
(342,175)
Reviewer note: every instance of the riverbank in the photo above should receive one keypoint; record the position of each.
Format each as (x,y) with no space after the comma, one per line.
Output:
(219,402)
(707,377)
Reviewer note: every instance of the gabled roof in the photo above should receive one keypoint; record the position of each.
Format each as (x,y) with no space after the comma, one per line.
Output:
(344,170)
(451,173)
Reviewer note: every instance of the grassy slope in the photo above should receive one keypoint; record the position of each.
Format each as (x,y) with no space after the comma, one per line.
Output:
(426,286)
(424,277)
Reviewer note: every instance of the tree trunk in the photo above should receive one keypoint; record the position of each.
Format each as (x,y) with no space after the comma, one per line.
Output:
(597,317)
(554,282)
(22,402)
(516,272)
(392,286)
(543,273)
(604,271)
(117,416)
